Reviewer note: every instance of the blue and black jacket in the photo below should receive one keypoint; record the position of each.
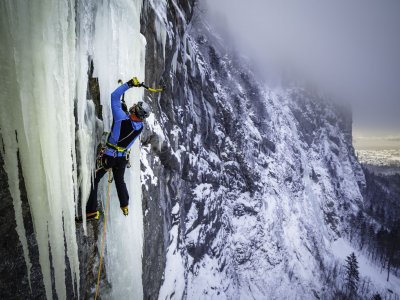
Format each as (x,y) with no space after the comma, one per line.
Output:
(124,131)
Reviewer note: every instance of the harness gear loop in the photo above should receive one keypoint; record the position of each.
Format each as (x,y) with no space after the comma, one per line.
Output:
(101,149)
(99,159)
(104,235)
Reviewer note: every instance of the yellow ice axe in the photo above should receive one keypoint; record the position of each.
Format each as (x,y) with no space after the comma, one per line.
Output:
(137,83)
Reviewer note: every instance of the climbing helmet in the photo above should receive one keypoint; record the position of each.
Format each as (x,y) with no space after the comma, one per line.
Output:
(141,110)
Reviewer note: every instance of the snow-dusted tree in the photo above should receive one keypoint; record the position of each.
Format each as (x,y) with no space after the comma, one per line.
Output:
(392,247)
(363,234)
(352,274)
(376,297)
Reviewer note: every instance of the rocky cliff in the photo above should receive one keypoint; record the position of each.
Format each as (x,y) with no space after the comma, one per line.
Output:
(246,184)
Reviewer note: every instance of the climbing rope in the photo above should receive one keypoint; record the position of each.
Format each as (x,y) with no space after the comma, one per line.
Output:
(104,233)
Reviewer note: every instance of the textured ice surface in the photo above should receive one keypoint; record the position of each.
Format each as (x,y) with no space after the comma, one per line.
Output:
(39,57)
(44,73)
(118,52)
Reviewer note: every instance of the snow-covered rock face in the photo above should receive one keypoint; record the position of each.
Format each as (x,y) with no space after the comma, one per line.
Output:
(244,185)
(252,183)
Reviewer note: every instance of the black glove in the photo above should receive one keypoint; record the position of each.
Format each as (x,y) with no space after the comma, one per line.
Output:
(133,82)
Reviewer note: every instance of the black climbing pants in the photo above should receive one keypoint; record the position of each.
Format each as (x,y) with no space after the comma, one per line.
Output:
(118,165)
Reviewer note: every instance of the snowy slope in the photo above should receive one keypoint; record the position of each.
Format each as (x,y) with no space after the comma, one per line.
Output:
(370,272)
(253,181)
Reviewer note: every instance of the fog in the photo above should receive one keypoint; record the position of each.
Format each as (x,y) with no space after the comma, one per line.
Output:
(350,49)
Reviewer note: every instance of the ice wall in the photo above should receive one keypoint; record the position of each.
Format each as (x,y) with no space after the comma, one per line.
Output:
(118,52)
(44,58)
(37,94)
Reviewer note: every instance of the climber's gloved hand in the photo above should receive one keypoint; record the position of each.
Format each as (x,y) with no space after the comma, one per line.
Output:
(134,82)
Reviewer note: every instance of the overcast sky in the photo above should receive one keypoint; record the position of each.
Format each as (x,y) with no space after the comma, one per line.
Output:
(349,47)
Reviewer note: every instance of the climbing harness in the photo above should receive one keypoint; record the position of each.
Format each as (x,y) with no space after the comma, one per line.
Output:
(104,233)
(114,149)
(117,151)
(117,148)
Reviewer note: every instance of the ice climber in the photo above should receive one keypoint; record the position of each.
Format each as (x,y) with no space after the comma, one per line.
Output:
(126,127)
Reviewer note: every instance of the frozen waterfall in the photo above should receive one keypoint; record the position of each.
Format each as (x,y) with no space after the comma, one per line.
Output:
(44,62)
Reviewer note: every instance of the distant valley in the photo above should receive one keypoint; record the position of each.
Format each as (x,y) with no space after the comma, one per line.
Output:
(380,154)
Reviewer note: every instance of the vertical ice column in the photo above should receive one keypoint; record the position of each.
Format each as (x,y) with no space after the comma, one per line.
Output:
(37,93)
(118,53)
(8,144)
(8,138)
(43,73)
(85,110)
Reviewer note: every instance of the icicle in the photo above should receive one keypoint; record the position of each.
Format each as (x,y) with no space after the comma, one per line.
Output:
(40,92)
(9,154)
(8,139)
(45,62)
(161,34)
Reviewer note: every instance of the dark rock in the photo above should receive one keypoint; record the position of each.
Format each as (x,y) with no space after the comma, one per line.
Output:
(14,282)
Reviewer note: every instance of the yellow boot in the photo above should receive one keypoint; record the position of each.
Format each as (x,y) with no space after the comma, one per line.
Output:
(89,217)
(125,210)
(93,215)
